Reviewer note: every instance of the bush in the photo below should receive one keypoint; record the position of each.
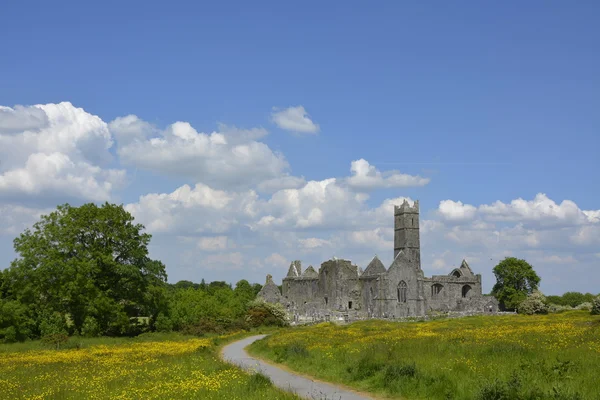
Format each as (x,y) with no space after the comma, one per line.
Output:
(535,303)
(585,306)
(556,308)
(53,324)
(163,323)
(15,321)
(596,306)
(261,313)
(90,327)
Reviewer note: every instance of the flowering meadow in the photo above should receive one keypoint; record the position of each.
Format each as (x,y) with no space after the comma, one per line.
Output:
(176,367)
(555,356)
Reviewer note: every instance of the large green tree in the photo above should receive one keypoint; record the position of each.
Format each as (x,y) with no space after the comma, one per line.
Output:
(515,280)
(89,263)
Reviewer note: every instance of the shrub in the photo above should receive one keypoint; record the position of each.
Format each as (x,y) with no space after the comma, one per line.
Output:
(535,303)
(53,324)
(261,313)
(90,327)
(163,323)
(585,306)
(15,321)
(556,308)
(596,306)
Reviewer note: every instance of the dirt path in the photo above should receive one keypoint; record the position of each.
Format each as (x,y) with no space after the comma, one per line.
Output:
(302,386)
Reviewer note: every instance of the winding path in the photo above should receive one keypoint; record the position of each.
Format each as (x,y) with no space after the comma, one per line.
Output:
(303,387)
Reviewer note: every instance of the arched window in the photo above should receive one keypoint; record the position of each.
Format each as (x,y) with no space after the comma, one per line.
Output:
(402,292)
(436,289)
(456,274)
(371,293)
(465,290)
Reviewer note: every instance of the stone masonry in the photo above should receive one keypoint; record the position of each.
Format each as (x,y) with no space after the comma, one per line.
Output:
(399,291)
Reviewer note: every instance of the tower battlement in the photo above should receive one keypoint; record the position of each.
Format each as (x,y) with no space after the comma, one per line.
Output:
(406,208)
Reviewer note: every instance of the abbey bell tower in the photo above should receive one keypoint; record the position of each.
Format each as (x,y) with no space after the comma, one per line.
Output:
(406,232)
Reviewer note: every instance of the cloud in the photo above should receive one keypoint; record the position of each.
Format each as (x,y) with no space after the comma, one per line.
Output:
(229,158)
(213,243)
(539,212)
(20,119)
(277,260)
(456,211)
(294,119)
(373,239)
(14,219)
(200,209)
(66,155)
(50,174)
(224,261)
(367,177)
(554,259)
(318,204)
(313,242)
(283,182)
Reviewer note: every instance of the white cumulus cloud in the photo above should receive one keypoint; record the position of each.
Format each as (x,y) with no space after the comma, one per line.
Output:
(20,119)
(294,119)
(366,177)
(65,155)
(213,243)
(229,158)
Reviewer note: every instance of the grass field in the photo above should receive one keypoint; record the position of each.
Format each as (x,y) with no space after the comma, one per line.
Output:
(555,356)
(147,367)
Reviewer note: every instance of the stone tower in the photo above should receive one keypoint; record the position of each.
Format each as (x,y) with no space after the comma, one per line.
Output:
(406,232)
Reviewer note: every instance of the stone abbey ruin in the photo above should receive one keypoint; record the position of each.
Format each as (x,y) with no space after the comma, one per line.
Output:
(399,291)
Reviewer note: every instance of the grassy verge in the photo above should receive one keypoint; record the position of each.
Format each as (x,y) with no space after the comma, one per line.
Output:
(152,366)
(555,356)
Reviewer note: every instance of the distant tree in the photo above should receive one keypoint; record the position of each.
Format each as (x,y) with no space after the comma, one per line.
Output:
(186,285)
(244,291)
(557,300)
(215,285)
(574,299)
(87,261)
(256,287)
(515,280)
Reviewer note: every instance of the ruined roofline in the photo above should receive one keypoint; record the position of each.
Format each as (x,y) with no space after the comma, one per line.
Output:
(405,207)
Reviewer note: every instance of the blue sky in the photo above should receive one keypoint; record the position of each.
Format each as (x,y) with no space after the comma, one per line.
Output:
(487,102)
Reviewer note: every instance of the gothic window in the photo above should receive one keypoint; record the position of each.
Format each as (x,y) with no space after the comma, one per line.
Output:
(436,289)
(465,290)
(402,292)
(456,274)
(371,293)
(325,300)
